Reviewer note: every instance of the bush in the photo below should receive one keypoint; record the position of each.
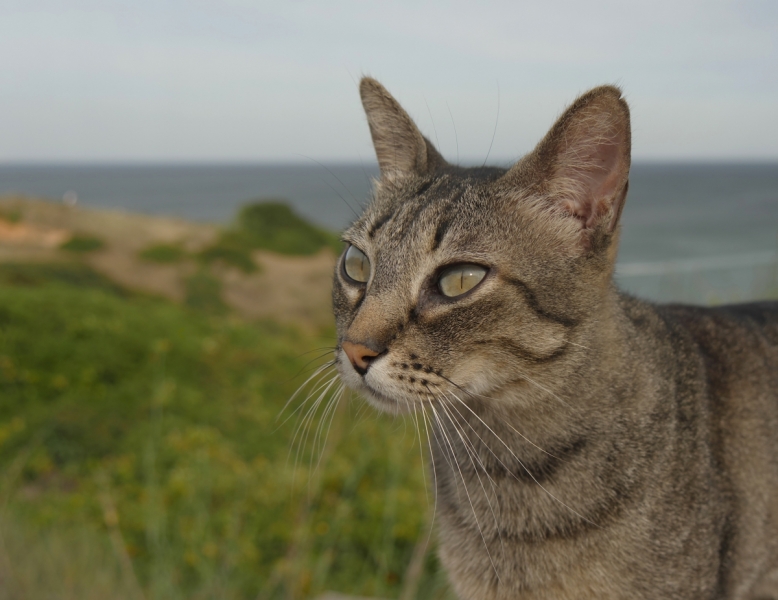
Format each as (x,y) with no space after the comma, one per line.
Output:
(71,273)
(163,253)
(11,215)
(230,251)
(273,226)
(82,243)
(203,292)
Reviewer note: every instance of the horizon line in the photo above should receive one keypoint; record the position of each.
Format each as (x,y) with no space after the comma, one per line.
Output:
(767,161)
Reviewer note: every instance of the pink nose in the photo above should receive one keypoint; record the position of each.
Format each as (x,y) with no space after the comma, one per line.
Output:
(359,355)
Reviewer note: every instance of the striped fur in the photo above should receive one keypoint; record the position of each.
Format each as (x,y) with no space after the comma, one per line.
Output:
(584,443)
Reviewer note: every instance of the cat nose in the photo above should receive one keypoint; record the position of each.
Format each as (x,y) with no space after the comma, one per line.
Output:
(359,355)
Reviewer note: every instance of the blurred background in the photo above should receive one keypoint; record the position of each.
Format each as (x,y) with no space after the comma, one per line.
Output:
(173,177)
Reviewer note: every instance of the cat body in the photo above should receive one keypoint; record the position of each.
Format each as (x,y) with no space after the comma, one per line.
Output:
(584,444)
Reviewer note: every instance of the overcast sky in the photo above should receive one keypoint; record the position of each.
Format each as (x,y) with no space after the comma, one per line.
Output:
(189,80)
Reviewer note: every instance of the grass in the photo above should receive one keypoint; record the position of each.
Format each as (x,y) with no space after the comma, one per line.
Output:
(54,563)
(141,455)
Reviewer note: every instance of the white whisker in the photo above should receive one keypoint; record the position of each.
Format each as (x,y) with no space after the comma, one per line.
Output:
(467,492)
(505,421)
(317,372)
(336,396)
(312,414)
(575,512)
(434,471)
(477,457)
(303,416)
(307,419)
(536,384)
(473,454)
(579,345)
(415,417)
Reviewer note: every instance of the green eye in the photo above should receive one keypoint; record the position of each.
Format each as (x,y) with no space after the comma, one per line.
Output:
(356,265)
(459,279)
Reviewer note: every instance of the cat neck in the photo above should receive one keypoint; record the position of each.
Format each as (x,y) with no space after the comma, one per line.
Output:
(553,453)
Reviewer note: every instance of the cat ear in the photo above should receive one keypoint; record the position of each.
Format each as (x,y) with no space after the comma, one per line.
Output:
(582,165)
(399,145)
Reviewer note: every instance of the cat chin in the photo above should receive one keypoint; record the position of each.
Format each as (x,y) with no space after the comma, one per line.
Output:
(381,402)
(385,404)
(386,398)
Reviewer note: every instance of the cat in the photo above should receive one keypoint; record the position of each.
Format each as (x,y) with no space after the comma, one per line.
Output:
(584,443)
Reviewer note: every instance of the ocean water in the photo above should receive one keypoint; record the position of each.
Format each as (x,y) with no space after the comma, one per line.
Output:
(703,233)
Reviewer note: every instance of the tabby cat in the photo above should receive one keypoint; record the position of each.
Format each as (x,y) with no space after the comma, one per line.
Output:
(584,443)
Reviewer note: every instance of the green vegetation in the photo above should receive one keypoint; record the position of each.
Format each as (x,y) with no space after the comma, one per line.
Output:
(83,243)
(268,225)
(11,215)
(71,273)
(141,455)
(163,253)
(203,292)
(230,251)
(274,226)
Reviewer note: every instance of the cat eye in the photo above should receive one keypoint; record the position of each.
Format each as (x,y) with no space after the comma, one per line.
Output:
(459,279)
(356,265)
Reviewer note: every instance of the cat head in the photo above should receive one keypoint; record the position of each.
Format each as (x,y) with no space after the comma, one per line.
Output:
(468,281)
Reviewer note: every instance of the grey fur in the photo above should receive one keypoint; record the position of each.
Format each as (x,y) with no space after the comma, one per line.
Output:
(585,444)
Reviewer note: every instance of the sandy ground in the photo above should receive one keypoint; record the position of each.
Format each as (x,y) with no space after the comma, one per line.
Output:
(288,289)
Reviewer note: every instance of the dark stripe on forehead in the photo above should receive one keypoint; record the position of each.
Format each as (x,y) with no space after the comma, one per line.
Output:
(532,301)
(380,222)
(445,221)
(439,202)
(440,232)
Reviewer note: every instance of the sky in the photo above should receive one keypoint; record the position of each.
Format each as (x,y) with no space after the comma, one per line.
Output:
(248,81)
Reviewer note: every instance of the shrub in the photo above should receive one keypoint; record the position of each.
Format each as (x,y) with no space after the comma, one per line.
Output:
(203,292)
(82,243)
(40,274)
(11,215)
(269,225)
(275,226)
(230,251)
(163,253)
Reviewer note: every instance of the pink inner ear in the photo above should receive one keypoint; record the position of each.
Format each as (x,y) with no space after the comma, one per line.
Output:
(593,175)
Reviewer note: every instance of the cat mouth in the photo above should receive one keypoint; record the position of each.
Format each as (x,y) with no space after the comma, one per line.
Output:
(385,403)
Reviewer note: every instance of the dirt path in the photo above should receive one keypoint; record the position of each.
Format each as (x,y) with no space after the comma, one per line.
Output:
(288,289)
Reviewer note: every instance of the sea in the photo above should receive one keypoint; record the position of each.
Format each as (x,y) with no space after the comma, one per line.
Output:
(691,232)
